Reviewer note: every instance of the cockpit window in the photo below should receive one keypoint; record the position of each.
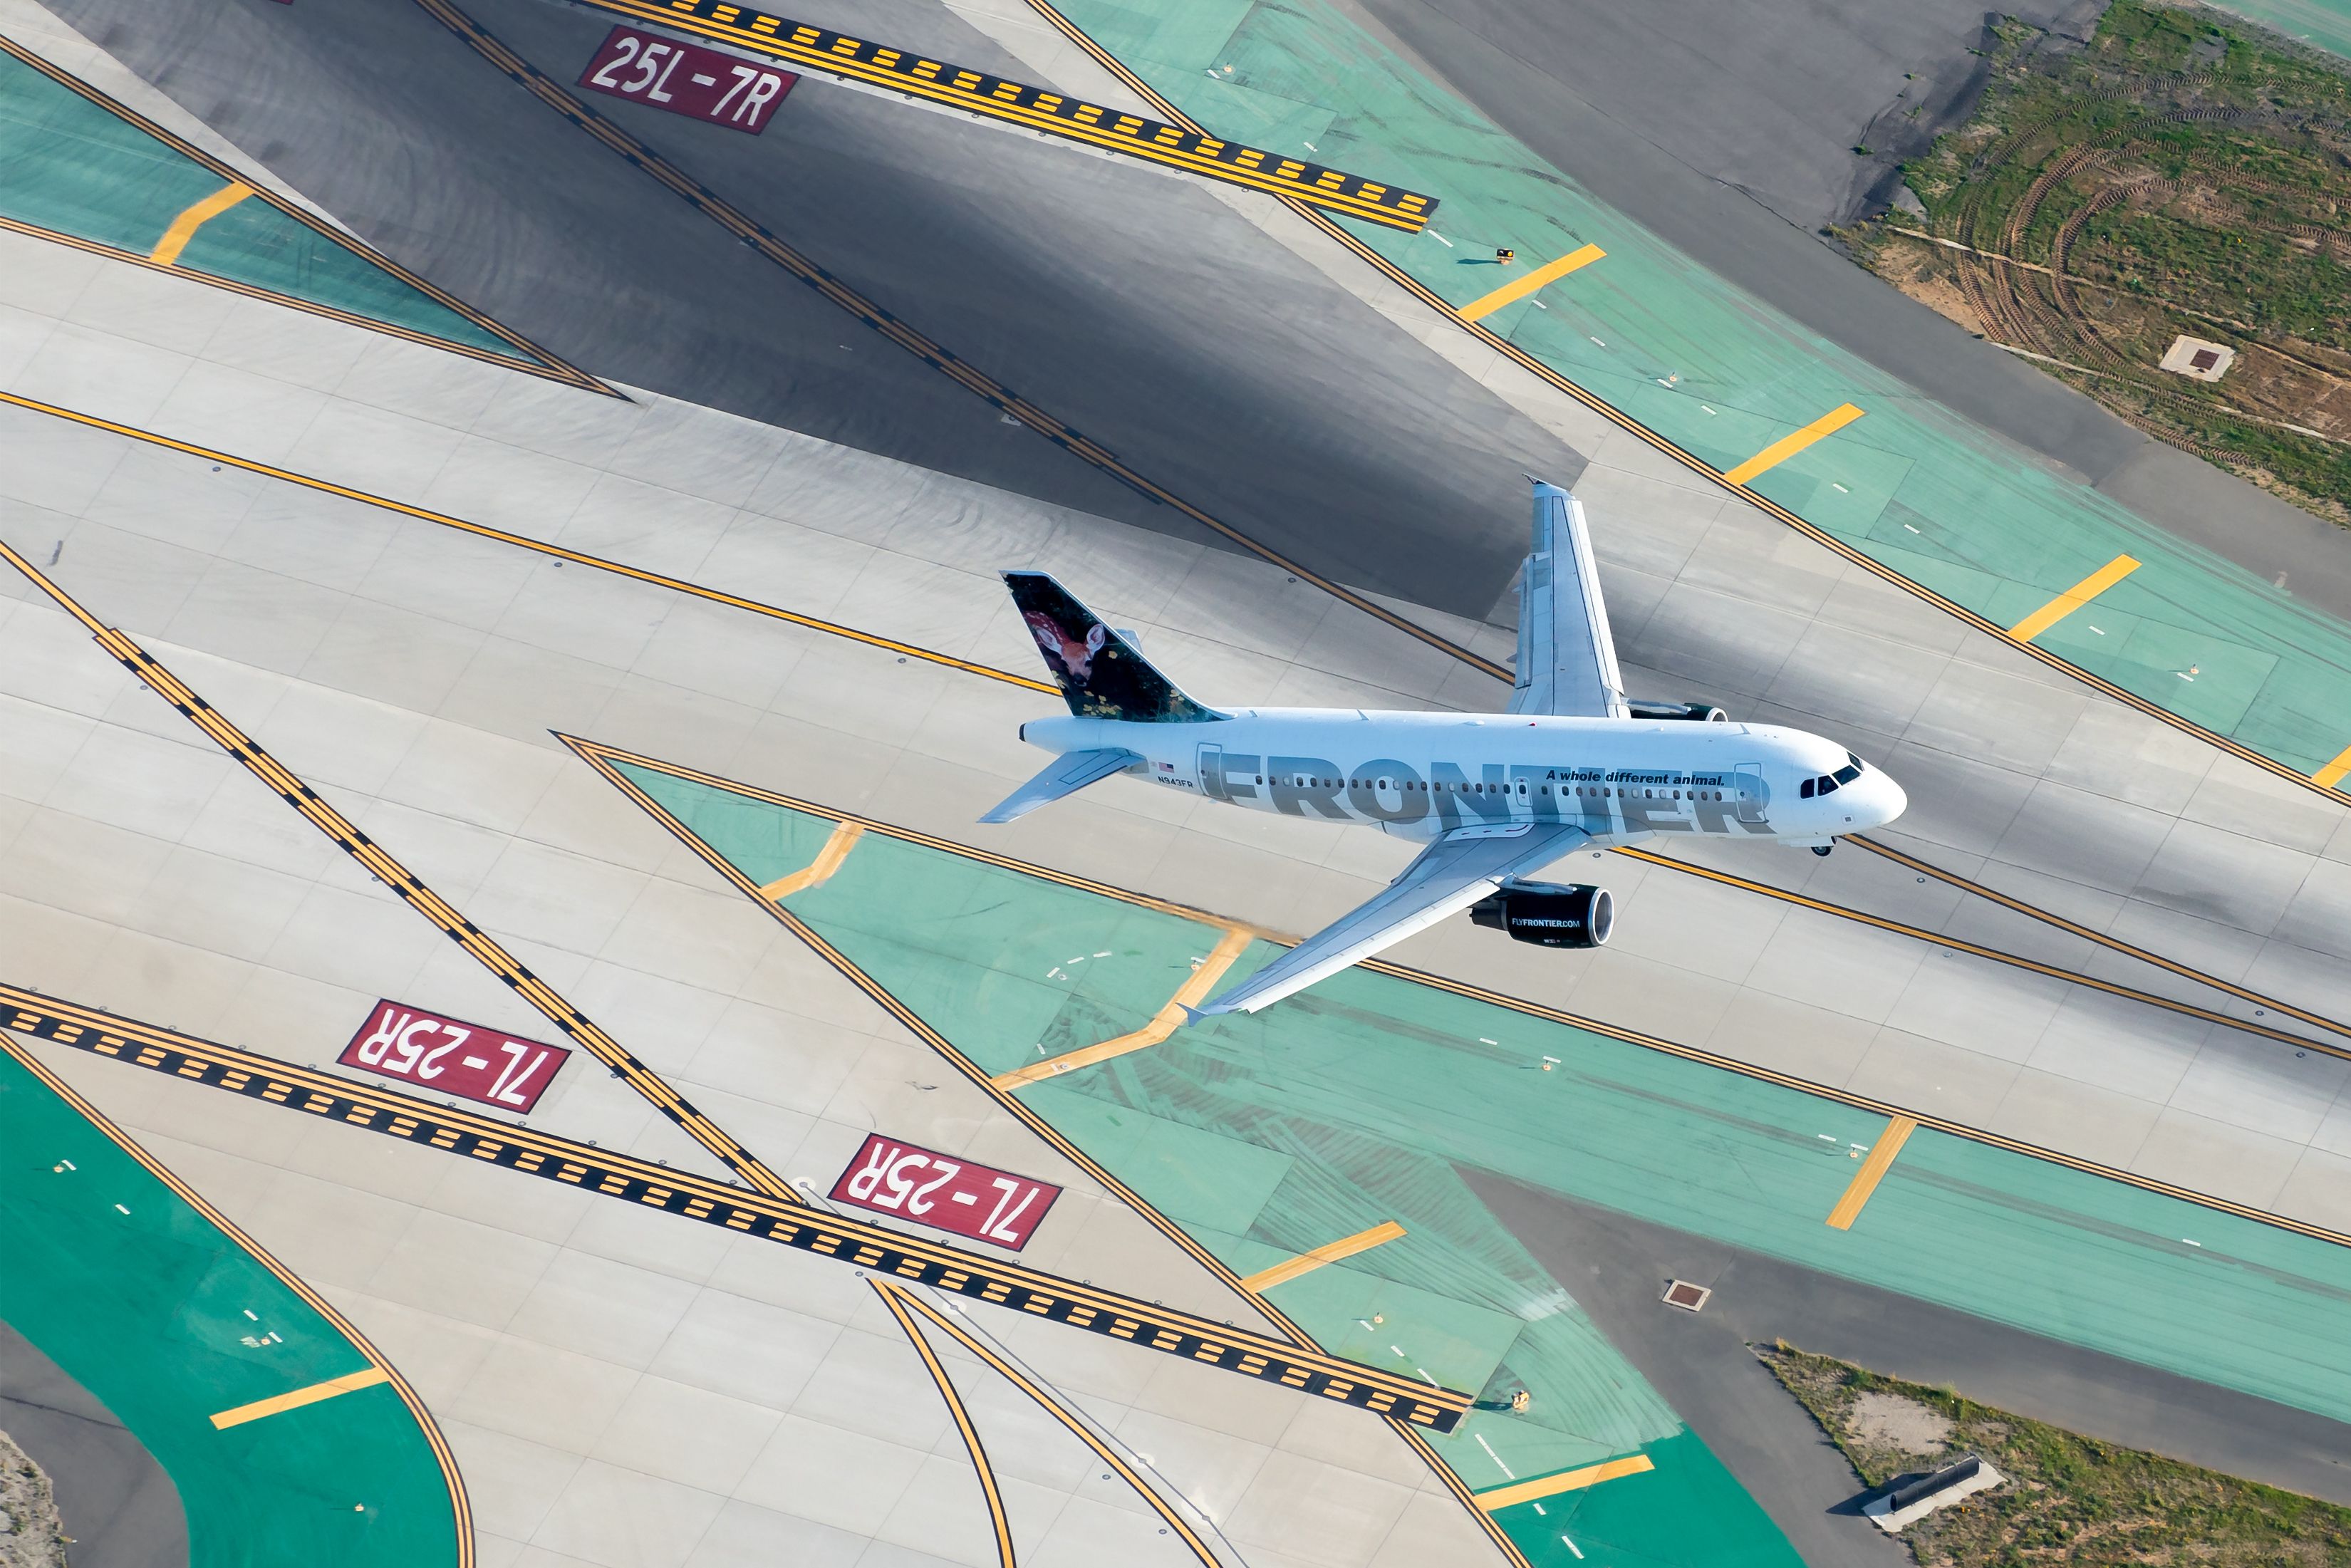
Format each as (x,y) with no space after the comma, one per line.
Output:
(1848,775)
(1858,765)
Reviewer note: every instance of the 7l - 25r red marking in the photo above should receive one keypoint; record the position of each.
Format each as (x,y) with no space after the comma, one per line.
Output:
(452,1058)
(936,1189)
(688,79)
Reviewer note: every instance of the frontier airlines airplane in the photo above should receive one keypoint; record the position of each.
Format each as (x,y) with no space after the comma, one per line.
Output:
(1493,796)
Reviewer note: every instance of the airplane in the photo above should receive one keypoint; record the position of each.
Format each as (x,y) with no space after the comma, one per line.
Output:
(1495,796)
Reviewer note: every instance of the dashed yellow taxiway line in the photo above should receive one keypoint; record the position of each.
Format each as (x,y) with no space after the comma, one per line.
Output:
(379,864)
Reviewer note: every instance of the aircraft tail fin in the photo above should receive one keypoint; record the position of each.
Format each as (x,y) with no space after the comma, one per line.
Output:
(1099,672)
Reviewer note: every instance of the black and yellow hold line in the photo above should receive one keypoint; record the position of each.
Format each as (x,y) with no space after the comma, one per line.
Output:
(460,1506)
(379,864)
(993,392)
(900,1297)
(988,672)
(603,757)
(1503,346)
(786,1222)
(1181,147)
(895,1299)
(528,356)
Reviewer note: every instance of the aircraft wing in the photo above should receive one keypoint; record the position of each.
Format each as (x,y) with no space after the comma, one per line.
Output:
(1447,877)
(1567,658)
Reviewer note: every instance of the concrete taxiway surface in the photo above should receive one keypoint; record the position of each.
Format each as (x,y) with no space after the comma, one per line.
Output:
(1137,306)
(622,1390)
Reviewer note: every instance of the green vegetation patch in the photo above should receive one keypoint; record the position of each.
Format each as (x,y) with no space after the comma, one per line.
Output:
(2069,1499)
(2183,175)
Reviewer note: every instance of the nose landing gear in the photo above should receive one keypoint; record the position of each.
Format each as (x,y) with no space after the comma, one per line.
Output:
(1823,849)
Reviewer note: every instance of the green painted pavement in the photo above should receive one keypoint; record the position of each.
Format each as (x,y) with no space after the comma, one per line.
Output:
(1723,374)
(1352,1102)
(74,168)
(165,1320)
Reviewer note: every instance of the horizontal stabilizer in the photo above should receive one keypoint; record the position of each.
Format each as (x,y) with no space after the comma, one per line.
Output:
(1065,774)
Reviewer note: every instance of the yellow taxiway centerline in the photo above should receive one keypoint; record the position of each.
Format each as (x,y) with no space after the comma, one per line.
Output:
(348,1383)
(1566,1480)
(1872,1171)
(828,860)
(1000,1522)
(2073,599)
(183,227)
(1787,446)
(1551,272)
(1166,1022)
(1386,1230)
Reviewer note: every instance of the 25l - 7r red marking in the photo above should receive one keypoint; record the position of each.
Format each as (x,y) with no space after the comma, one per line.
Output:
(688,79)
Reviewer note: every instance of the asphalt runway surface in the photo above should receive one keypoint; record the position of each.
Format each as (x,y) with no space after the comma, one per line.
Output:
(1737,149)
(1130,303)
(1616,1268)
(116,1503)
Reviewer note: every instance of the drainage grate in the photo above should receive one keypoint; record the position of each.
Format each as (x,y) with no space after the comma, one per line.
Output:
(1681,1293)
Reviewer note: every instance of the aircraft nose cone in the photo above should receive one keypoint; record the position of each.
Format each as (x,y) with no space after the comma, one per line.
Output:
(1888,801)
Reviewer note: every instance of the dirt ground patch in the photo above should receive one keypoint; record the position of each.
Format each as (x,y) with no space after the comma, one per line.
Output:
(2070,1500)
(31,1535)
(1888,1420)
(2183,173)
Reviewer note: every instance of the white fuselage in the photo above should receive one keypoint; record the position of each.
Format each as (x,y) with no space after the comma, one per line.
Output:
(1421,774)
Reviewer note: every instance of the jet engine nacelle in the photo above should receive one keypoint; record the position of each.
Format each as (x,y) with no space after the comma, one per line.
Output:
(1551,915)
(1697,713)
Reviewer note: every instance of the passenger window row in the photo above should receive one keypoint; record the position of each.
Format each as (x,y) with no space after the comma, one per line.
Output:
(1601,792)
